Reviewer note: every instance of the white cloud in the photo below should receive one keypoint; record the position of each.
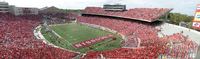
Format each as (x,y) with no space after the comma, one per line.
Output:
(182,6)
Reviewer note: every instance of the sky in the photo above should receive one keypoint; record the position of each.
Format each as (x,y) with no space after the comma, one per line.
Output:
(180,6)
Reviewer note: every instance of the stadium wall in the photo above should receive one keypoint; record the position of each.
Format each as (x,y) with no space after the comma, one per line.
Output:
(169,29)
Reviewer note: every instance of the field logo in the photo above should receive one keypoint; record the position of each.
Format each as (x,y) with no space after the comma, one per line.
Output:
(92,41)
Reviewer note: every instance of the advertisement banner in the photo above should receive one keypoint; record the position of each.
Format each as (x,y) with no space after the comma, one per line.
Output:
(197,17)
(196,21)
(196,24)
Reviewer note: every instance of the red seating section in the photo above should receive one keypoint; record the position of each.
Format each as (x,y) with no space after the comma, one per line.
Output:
(144,14)
(143,31)
(146,33)
(17,40)
(182,46)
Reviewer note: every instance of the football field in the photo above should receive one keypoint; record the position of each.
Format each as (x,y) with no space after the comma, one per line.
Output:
(72,33)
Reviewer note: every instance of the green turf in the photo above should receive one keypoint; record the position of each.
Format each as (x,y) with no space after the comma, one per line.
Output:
(75,33)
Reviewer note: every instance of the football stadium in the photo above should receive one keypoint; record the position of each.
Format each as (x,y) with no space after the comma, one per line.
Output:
(107,32)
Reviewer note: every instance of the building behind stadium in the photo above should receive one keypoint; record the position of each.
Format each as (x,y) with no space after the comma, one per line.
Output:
(6,8)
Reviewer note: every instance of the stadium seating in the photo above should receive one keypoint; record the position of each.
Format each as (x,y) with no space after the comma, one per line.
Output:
(146,33)
(124,27)
(59,18)
(18,42)
(143,14)
(149,52)
(181,45)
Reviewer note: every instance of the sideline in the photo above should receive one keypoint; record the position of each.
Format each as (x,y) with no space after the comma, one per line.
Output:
(38,35)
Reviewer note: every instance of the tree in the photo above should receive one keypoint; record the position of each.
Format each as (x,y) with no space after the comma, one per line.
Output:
(176,18)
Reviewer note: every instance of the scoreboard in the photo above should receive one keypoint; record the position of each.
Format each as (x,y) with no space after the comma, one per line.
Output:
(115,7)
(196,21)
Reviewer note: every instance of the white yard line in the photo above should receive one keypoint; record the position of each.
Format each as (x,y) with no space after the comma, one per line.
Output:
(38,35)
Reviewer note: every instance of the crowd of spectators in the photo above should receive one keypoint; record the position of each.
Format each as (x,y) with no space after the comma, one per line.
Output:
(55,20)
(180,46)
(59,18)
(144,14)
(18,42)
(126,28)
(145,33)
(126,53)
(71,16)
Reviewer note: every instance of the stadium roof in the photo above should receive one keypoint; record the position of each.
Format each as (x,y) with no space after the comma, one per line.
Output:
(142,14)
